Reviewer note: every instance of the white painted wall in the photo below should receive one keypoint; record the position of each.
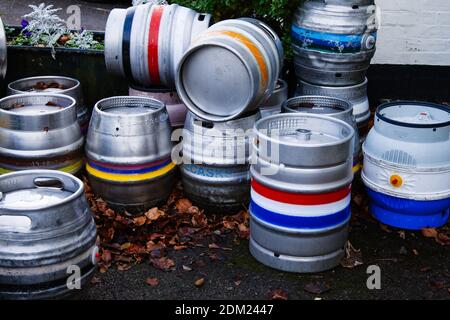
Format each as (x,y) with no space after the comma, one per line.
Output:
(414,32)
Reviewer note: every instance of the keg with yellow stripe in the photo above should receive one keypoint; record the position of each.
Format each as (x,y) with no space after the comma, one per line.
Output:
(128,153)
(40,131)
(230,69)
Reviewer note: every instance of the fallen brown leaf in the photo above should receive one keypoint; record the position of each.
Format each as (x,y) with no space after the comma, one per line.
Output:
(353,257)
(183,205)
(163,263)
(140,221)
(317,287)
(199,282)
(278,294)
(152,282)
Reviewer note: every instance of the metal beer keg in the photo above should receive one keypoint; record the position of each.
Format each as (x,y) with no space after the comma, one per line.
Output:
(333,44)
(275,102)
(40,131)
(407,165)
(47,232)
(301,185)
(244,58)
(128,151)
(217,161)
(145,43)
(54,84)
(332,107)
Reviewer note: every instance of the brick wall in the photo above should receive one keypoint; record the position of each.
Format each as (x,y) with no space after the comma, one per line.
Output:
(414,32)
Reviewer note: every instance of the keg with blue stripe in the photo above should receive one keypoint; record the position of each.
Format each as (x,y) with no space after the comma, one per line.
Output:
(332,107)
(216,163)
(300,198)
(128,153)
(333,42)
(407,165)
(40,131)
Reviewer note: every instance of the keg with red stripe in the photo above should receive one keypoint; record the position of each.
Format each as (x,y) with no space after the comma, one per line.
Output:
(128,153)
(144,43)
(301,191)
(230,70)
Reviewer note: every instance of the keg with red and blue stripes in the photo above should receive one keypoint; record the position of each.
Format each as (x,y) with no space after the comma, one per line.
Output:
(302,211)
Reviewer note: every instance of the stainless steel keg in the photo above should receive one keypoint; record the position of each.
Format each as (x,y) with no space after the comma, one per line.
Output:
(407,165)
(333,44)
(275,102)
(128,151)
(175,107)
(47,235)
(243,59)
(145,43)
(40,131)
(301,185)
(332,107)
(216,164)
(3,51)
(54,84)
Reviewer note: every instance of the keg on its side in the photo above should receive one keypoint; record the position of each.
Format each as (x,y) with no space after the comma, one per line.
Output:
(3,51)
(275,102)
(54,84)
(216,163)
(175,107)
(332,107)
(333,45)
(47,235)
(145,43)
(301,185)
(229,70)
(128,151)
(356,95)
(40,131)
(407,165)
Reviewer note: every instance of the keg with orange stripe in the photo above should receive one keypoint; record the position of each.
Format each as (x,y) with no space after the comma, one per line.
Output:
(144,43)
(300,198)
(230,70)
(128,153)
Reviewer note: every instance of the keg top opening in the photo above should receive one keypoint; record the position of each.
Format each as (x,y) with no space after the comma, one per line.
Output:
(35,104)
(129,106)
(415,114)
(216,81)
(45,84)
(316,105)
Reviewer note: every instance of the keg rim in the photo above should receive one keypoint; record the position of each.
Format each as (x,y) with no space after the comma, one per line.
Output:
(159,106)
(355,86)
(380,116)
(304,115)
(152,89)
(72,104)
(45,174)
(346,106)
(76,85)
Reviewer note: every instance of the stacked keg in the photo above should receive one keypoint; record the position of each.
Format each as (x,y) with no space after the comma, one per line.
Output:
(244,59)
(47,235)
(407,165)
(55,84)
(334,42)
(301,185)
(128,152)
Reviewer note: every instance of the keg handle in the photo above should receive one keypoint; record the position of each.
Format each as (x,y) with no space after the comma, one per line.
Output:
(48,182)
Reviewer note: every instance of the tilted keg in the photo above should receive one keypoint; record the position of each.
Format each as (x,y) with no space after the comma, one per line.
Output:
(333,44)
(145,43)
(128,151)
(243,59)
(407,165)
(3,51)
(175,107)
(40,131)
(356,95)
(216,163)
(301,185)
(275,102)
(47,235)
(54,84)
(332,107)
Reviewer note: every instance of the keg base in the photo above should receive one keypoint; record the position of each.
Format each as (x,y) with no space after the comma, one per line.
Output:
(409,214)
(295,264)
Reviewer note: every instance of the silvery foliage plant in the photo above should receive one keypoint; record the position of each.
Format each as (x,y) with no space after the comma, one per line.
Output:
(83,40)
(153,2)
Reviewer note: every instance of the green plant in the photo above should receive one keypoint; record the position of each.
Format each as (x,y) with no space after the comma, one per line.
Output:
(277,13)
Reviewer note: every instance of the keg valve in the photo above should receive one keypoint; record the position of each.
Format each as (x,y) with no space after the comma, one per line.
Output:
(304,134)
